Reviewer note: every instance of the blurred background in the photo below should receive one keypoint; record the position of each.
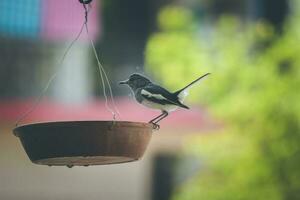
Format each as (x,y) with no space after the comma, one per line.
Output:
(240,140)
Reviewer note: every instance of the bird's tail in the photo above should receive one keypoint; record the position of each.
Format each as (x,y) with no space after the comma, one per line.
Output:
(182,93)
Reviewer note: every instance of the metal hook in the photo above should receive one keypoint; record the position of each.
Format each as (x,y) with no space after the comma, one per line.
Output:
(85,1)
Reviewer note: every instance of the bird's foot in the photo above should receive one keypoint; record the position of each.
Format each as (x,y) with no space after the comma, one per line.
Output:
(155,126)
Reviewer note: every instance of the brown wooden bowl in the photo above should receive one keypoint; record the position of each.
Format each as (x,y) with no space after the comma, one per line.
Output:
(83,143)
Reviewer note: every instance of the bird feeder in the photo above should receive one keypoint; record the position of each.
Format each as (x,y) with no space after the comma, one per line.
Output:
(84,143)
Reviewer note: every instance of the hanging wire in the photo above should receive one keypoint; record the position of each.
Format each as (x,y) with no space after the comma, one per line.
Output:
(101,70)
(43,92)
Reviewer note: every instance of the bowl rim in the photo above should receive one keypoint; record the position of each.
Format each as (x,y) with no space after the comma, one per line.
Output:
(45,124)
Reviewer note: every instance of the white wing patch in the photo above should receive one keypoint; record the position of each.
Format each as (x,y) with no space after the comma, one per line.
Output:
(149,94)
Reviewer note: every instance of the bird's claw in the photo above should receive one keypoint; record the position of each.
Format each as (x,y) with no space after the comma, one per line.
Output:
(155,126)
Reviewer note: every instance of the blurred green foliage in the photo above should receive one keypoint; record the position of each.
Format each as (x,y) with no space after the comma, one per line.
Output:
(254,89)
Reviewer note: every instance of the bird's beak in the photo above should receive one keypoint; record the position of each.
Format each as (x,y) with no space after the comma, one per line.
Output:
(123,82)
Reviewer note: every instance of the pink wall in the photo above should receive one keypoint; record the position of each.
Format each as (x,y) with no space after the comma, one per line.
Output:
(62,19)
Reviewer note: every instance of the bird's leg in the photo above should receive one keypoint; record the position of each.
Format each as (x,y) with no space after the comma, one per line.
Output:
(165,114)
(153,120)
(156,126)
(158,119)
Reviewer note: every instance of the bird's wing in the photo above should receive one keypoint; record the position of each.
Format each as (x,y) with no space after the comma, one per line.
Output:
(160,95)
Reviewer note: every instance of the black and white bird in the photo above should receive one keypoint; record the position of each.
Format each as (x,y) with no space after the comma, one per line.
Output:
(156,97)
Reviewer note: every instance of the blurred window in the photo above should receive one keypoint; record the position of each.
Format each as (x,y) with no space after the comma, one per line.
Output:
(20,18)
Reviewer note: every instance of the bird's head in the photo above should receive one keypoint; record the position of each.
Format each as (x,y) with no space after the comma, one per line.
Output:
(136,81)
